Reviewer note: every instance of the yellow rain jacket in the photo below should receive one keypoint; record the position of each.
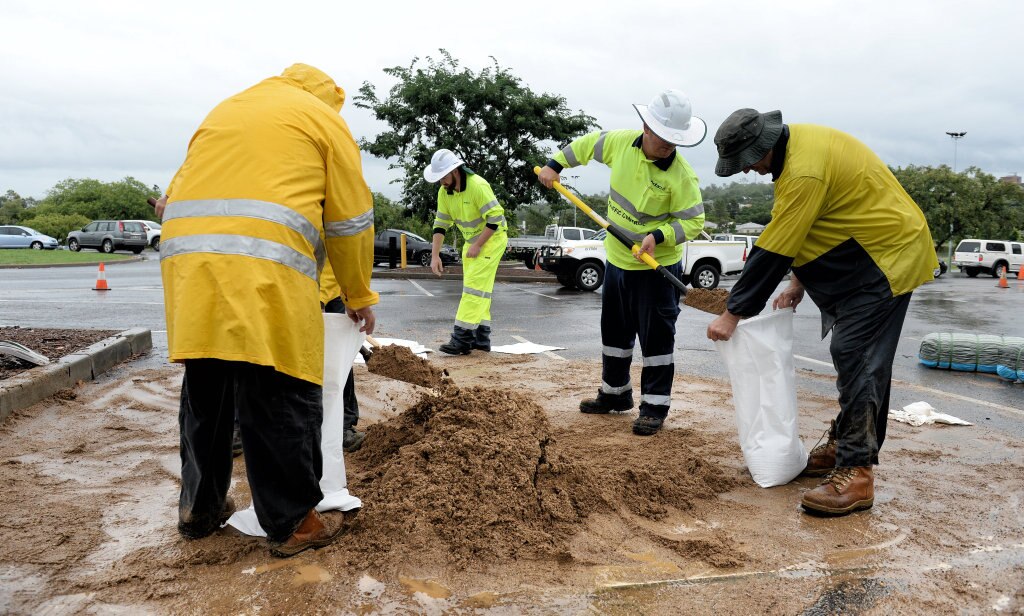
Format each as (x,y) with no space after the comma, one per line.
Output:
(270,172)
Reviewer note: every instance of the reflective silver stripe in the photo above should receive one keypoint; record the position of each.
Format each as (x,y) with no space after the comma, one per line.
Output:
(658,360)
(570,156)
(243,245)
(627,205)
(477,292)
(470,223)
(352,226)
(692,212)
(599,147)
(493,203)
(443,216)
(656,400)
(245,208)
(443,224)
(680,234)
(486,322)
(465,325)
(495,220)
(608,389)
(616,352)
(636,237)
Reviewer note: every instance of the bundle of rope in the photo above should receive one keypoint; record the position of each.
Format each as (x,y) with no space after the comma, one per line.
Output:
(1002,355)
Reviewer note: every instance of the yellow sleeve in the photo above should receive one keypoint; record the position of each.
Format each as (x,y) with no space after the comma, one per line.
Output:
(587,147)
(329,287)
(348,221)
(797,206)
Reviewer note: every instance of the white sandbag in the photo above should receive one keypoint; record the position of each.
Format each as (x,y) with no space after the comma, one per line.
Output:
(759,357)
(342,340)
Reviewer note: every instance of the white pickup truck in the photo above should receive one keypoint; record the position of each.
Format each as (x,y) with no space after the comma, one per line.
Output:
(525,247)
(581,265)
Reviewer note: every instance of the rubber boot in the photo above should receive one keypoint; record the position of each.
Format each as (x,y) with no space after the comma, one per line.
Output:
(483,338)
(461,342)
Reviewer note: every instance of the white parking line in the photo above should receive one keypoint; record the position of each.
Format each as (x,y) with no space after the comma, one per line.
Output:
(417,285)
(548,353)
(557,299)
(814,361)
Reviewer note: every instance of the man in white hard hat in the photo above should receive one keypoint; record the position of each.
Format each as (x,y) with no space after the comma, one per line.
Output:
(655,201)
(466,200)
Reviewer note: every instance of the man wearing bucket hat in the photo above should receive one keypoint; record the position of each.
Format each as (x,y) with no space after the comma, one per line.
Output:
(859,246)
(466,200)
(654,200)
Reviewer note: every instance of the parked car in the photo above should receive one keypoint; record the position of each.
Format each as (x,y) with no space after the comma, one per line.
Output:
(152,232)
(417,249)
(16,236)
(526,248)
(109,235)
(989,256)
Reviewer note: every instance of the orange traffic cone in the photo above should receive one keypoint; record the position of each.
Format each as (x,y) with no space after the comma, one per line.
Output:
(101,280)
(1002,280)
(1020,272)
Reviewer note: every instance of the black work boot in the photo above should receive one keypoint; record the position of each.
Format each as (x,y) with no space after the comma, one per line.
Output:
(483,338)
(461,342)
(607,403)
(645,425)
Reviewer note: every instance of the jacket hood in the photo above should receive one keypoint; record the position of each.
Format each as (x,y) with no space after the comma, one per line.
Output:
(317,83)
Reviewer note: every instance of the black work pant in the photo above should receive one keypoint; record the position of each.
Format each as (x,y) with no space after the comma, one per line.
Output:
(639,303)
(348,393)
(280,418)
(863,348)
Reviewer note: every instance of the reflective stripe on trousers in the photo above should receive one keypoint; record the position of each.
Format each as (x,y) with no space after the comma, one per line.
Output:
(639,304)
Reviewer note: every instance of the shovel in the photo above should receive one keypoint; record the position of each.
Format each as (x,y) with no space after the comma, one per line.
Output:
(617,234)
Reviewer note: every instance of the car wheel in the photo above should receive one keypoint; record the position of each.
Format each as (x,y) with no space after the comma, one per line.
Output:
(530,263)
(999,270)
(705,277)
(971,272)
(567,280)
(73,245)
(156,244)
(589,276)
(107,247)
(37,245)
(425,259)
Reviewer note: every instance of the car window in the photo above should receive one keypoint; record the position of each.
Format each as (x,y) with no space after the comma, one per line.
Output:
(966,246)
(1016,249)
(5,231)
(571,234)
(134,227)
(995,246)
(92,226)
(588,233)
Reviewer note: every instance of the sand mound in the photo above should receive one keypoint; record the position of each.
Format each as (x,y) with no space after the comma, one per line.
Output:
(398,362)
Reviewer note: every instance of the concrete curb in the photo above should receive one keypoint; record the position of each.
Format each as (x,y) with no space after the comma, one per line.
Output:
(40,383)
(135,259)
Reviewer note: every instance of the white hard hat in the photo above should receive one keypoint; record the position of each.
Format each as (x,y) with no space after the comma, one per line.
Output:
(441,164)
(671,117)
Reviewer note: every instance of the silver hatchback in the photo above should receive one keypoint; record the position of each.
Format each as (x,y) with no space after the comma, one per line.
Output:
(109,235)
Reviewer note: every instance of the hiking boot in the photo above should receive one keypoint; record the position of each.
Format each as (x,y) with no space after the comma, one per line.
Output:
(461,342)
(607,403)
(822,458)
(843,491)
(483,338)
(646,425)
(315,531)
(191,529)
(352,440)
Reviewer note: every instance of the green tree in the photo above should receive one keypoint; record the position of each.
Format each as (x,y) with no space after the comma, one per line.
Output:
(124,199)
(489,118)
(14,208)
(57,225)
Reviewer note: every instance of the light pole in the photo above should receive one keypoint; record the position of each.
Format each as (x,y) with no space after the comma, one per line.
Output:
(574,208)
(956,137)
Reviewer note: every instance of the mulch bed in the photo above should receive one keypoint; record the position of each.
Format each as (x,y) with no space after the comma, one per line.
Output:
(52,343)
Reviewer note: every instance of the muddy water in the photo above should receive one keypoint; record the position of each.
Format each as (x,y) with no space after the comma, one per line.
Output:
(667,524)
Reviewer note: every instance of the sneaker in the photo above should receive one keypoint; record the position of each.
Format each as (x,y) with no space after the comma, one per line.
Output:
(606,403)
(822,459)
(646,426)
(315,531)
(843,491)
(352,440)
(191,530)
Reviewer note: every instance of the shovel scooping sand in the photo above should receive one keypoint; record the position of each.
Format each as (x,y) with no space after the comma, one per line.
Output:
(400,363)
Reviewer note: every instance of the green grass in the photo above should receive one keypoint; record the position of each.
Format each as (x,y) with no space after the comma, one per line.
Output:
(26,256)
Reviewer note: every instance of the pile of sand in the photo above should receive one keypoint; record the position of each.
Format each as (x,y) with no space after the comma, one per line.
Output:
(708,300)
(399,362)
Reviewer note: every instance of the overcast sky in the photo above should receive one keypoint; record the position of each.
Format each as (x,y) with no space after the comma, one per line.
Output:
(115,88)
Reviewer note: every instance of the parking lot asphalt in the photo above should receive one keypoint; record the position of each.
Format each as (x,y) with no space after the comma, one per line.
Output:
(545,313)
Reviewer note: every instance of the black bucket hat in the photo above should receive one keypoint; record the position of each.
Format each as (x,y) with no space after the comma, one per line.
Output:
(744,138)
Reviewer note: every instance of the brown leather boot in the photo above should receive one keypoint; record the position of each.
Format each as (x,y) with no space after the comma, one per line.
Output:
(822,459)
(843,491)
(315,531)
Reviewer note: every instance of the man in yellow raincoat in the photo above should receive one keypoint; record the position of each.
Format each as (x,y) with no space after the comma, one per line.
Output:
(466,200)
(859,245)
(269,172)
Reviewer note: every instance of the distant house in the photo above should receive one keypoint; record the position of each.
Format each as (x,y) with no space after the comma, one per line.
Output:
(749,228)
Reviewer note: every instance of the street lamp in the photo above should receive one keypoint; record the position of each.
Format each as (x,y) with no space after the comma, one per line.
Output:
(574,208)
(956,137)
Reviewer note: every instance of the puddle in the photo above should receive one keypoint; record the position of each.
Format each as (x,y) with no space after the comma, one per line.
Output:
(427,587)
(310,574)
(482,600)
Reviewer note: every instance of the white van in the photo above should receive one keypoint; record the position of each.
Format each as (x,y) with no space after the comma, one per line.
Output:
(989,256)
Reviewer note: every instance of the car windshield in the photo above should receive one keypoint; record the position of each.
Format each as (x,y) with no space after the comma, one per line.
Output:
(412,236)
(966,246)
(31,231)
(153,225)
